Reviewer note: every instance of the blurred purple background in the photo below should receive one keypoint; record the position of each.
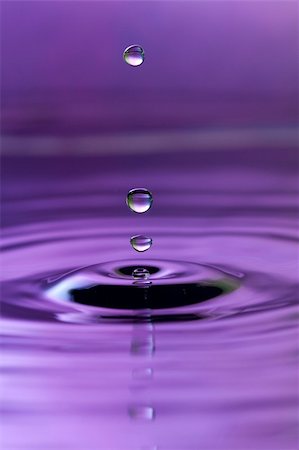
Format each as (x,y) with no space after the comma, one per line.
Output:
(209,124)
(207,64)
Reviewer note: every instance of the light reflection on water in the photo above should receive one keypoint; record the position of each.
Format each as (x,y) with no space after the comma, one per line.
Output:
(151,379)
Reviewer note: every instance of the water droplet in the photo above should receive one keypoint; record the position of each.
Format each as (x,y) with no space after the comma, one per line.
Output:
(140,273)
(134,55)
(141,412)
(141,243)
(139,200)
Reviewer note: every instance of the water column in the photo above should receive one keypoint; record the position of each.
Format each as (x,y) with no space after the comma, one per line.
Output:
(139,200)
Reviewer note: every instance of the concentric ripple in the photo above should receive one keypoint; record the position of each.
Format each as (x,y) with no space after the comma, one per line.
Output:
(176,288)
(212,336)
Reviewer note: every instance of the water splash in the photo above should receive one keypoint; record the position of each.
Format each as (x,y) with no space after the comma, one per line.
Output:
(140,274)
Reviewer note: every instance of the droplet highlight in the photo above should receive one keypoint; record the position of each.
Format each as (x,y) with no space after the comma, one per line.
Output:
(139,200)
(141,243)
(134,55)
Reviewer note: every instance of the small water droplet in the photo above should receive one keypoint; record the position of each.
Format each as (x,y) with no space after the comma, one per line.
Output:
(141,412)
(141,243)
(140,273)
(134,55)
(139,200)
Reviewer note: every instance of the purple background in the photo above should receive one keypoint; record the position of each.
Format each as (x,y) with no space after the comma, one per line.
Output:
(207,63)
(208,124)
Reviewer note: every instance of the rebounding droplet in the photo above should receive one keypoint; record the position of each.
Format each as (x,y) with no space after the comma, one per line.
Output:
(134,55)
(140,274)
(141,243)
(139,200)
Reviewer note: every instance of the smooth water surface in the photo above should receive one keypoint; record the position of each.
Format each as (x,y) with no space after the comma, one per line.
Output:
(205,356)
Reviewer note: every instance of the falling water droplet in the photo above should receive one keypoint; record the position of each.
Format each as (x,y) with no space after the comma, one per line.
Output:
(139,200)
(141,243)
(140,274)
(134,55)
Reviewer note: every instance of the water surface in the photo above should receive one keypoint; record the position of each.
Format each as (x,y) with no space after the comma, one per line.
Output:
(215,368)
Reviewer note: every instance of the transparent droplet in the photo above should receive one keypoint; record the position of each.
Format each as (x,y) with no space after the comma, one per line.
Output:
(142,412)
(140,274)
(134,55)
(141,243)
(139,200)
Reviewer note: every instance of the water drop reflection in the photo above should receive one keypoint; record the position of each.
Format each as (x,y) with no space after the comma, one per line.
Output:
(141,412)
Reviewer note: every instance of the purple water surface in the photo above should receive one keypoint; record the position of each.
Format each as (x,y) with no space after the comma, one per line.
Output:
(227,380)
